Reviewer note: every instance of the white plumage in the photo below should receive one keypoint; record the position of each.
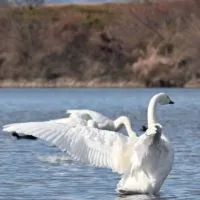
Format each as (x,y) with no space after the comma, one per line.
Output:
(100,121)
(90,118)
(144,161)
(86,144)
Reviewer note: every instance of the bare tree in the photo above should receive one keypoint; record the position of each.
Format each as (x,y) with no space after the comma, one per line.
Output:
(4,3)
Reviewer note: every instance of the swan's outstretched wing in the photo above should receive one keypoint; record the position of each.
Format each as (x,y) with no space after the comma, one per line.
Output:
(142,145)
(89,145)
(72,121)
(68,121)
(100,119)
(93,114)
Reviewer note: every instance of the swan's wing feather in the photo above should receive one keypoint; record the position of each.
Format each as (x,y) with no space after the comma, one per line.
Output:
(141,147)
(82,111)
(41,130)
(72,121)
(65,120)
(140,151)
(102,121)
(89,145)
(96,116)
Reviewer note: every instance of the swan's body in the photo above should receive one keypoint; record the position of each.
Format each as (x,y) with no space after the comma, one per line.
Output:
(89,118)
(144,162)
(152,159)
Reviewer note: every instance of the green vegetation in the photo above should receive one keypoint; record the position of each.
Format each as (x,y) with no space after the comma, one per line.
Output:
(148,45)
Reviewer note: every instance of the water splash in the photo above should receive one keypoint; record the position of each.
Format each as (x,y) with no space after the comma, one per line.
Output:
(55,159)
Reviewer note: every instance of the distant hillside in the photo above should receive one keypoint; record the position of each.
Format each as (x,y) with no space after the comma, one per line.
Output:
(123,45)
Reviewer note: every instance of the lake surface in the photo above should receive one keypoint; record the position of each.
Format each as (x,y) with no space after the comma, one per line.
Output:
(34,170)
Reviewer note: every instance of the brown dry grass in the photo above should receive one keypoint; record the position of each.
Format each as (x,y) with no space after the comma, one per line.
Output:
(152,44)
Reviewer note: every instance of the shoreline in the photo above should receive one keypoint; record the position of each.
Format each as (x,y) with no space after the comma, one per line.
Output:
(68,83)
(78,84)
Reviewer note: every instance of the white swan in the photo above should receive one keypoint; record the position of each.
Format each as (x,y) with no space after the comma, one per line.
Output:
(89,118)
(144,162)
(100,121)
(152,156)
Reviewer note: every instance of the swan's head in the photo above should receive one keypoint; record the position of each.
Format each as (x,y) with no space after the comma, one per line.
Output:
(163,99)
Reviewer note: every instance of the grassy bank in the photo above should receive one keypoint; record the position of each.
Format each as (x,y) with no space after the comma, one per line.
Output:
(127,45)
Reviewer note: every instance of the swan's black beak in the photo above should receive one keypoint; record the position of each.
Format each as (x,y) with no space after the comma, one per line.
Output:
(171,102)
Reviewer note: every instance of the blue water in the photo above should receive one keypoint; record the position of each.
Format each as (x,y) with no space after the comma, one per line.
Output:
(35,170)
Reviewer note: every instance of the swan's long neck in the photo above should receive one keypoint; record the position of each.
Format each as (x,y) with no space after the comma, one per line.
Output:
(151,113)
(119,122)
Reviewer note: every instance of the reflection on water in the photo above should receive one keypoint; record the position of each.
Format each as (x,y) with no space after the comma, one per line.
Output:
(34,170)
